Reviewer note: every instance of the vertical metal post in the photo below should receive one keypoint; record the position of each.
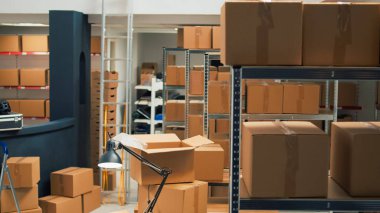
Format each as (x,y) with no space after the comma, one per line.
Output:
(336,91)
(187,90)
(102,71)
(164,65)
(234,190)
(327,104)
(153,106)
(205,93)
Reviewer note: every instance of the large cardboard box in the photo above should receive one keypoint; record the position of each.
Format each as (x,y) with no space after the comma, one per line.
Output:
(194,37)
(176,198)
(33,77)
(225,144)
(91,200)
(15,105)
(334,34)
(196,107)
(175,110)
(219,97)
(216,37)
(27,199)
(162,149)
(285,159)
(195,125)
(301,98)
(71,182)
(219,128)
(177,130)
(224,76)
(175,76)
(9,77)
(35,43)
(354,157)
(47,108)
(264,98)
(32,108)
(58,204)
(96,45)
(25,171)
(261,33)
(196,82)
(10,43)
(208,159)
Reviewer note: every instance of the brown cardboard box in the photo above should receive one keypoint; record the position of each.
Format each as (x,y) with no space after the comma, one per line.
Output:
(301,98)
(208,159)
(15,105)
(176,198)
(224,69)
(219,97)
(196,107)
(95,79)
(171,59)
(196,82)
(148,70)
(47,108)
(96,45)
(354,157)
(213,76)
(297,165)
(195,125)
(178,131)
(91,200)
(175,110)
(175,76)
(225,144)
(58,204)
(194,37)
(71,182)
(334,34)
(224,76)
(216,37)
(25,171)
(38,210)
(110,95)
(347,94)
(146,78)
(110,184)
(33,77)
(35,43)
(9,77)
(162,149)
(27,199)
(10,43)
(274,35)
(219,128)
(32,108)
(264,98)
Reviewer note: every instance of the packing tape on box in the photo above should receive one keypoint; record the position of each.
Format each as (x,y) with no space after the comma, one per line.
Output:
(262,33)
(301,97)
(344,36)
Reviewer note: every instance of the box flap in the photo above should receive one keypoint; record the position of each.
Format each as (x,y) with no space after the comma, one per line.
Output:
(210,148)
(164,150)
(197,141)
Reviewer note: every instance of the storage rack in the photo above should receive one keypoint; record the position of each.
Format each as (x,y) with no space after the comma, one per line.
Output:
(294,73)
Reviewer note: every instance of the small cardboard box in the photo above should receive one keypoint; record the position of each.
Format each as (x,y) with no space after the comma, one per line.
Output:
(216,37)
(194,37)
(35,43)
(196,107)
(219,97)
(27,199)
(195,125)
(47,108)
(196,82)
(219,128)
(176,198)
(71,182)
(171,59)
(354,157)
(224,76)
(15,105)
(177,130)
(25,171)
(91,200)
(95,79)
(58,204)
(10,43)
(297,165)
(148,70)
(33,77)
(264,98)
(334,34)
(9,77)
(225,144)
(301,98)
(175,110)
(96,45)
(175,76)
(32,108)
(208,158)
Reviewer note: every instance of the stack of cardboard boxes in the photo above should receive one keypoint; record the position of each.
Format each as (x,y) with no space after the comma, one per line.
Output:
(72,191)
(199,37)
(24,43)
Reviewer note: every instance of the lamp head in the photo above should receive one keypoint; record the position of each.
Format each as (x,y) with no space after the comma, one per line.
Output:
(110,159)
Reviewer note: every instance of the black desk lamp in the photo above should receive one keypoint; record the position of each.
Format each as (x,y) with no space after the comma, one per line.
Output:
(111,160)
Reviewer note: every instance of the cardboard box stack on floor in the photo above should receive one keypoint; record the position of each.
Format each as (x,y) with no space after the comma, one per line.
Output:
(72,191)
(25,174)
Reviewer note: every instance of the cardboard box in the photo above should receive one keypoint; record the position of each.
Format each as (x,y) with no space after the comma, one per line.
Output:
(224,76)
(58,204)
(301,98)
(219,128)
(354,157)
(10,43)
(274,35)
(216,37)
(297,165)
(175,76)
(108,75)
(47,108)
(225,144)
(9,77)
(148,71)
(177,130)
(162,149)
(27,199)
(38,210)
(35,43)
(175,110)
(71,182)
(32,108)
(224,69)
(194,37)
(208,159)
(171,59)
(196,82)
(213,76)
(15,105)
(25,171)
(219,97)
(91,200)
(334,34)
(347,94)
(264,98)
(96,45)
(196,107)
(195,125)
(33,77)
(176,198)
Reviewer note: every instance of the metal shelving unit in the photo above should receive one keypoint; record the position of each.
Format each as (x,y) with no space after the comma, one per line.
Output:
(291,73)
